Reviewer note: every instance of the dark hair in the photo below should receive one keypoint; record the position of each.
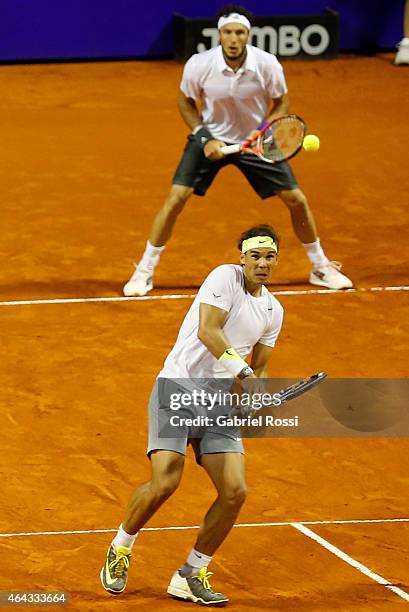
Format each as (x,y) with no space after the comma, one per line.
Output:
(234,8)
(260,230)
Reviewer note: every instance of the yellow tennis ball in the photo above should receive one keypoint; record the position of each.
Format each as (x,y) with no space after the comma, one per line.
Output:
(311,143)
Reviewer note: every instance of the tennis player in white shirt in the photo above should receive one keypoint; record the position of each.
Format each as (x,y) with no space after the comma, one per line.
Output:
(238,88)
(232,316)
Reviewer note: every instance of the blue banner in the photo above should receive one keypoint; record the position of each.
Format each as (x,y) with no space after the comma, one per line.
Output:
(74,29)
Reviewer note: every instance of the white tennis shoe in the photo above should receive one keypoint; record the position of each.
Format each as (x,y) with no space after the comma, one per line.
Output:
(139,284)
(196,588)
(330,276)
(402,56)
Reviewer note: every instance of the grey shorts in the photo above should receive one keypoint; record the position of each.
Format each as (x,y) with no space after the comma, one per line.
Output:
(209,441)
(195,170)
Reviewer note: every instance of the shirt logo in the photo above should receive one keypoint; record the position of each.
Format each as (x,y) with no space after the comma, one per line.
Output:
(319,274)
(217,296)
(108,579)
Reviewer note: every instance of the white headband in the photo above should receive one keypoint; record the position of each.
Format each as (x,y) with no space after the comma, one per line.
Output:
(233,18)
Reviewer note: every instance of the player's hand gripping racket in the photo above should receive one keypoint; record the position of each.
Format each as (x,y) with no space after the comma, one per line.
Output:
(283,396)
(277,141)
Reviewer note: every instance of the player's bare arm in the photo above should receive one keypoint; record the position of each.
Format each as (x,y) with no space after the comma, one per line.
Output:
(211,322)
(210,332)
(260,358)
(191,116)
(259,364)
(188,110)
(279,106)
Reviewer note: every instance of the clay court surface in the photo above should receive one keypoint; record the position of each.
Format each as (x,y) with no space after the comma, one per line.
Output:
(88,151)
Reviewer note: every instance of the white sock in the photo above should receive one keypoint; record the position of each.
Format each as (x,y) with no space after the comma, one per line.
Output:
(123,538)
(150,258)
(195,561)
(315,254)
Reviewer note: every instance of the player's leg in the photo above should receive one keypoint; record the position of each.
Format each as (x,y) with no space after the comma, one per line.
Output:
(166,217)
(166,472)
(140,282)
(301,215)
(167,469)
(194,174)
(226,470)
(324,272)
(402,56)
(167,455)
(278,179)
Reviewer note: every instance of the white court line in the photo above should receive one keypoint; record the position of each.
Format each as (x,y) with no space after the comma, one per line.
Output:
(190,296)
(185,527)
(356,564)
(99,299)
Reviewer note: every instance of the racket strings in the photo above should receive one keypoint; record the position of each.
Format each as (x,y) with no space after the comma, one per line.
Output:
(283,139)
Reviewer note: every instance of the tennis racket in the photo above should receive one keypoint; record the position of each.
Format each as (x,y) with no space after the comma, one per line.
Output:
(285,395)
(277,141)
(290,393)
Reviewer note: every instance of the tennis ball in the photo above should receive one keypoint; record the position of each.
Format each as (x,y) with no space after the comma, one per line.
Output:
(311,143)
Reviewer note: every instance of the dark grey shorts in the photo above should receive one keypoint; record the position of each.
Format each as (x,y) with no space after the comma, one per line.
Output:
(213,441)
(195,170)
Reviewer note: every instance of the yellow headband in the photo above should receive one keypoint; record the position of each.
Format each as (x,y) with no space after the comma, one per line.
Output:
(259,242)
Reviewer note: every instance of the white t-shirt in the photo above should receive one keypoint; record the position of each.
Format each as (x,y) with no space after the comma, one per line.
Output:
(249,320)
(234,103)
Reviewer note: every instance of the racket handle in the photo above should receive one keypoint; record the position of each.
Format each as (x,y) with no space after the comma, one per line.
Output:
(228,149)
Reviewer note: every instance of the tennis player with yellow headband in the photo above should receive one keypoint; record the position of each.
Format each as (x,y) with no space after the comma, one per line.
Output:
(232,316)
